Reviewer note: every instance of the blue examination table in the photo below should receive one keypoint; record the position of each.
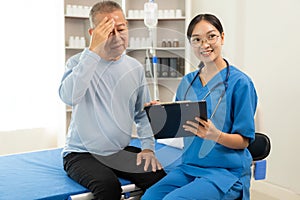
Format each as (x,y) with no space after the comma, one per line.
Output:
(40,175)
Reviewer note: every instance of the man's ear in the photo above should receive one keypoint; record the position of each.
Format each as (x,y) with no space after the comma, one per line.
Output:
(90,31)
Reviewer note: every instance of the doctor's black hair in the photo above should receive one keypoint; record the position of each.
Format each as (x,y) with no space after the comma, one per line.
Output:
(213,20)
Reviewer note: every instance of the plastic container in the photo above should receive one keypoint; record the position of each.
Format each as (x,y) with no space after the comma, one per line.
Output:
(150,14)
(175,43)
(164,43)
(169,43)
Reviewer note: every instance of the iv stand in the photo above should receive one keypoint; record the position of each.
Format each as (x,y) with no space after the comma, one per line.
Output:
(150,20)
(154,62)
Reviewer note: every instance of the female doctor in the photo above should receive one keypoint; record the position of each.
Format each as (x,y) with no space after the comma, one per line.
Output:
(216,162)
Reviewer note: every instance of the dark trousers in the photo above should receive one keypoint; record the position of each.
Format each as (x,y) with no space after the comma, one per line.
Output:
(100,173)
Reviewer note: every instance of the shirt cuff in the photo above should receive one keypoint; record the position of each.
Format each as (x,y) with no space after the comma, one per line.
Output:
(91,54)
(147,143)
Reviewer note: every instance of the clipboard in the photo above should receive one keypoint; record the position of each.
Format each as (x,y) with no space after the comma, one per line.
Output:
(167,119)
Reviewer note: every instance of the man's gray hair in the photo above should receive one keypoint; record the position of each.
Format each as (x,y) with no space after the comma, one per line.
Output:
(103,7)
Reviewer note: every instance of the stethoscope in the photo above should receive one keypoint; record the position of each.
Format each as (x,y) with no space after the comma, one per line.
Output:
(225,83)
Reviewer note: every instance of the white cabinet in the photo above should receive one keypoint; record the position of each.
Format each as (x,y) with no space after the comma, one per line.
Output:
(171,28)
(76,31)
(76,25)
(169,44)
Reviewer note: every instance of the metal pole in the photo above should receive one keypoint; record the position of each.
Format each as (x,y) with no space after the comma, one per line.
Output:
(154,62)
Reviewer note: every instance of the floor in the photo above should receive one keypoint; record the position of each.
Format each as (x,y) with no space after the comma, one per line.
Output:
(260,196)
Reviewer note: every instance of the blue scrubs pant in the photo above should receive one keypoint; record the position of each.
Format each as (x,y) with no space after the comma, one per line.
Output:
(180,186)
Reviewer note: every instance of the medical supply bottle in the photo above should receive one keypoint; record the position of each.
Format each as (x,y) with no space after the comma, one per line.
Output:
(150,14)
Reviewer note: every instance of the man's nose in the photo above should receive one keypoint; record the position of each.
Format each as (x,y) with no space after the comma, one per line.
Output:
(114,32)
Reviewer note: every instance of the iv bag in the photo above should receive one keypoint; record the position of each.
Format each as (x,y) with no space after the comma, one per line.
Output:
(150,14)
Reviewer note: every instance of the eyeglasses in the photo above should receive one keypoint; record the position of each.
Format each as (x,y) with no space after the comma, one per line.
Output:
(211,39)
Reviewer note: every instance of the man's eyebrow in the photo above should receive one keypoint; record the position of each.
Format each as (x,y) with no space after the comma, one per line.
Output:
(121,24)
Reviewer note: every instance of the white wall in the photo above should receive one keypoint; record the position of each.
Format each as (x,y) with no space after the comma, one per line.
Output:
(230,16)
(27,140)
(272,58)
(262,38)
(32,63)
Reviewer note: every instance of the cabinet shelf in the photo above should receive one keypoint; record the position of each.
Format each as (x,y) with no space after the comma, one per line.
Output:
(138,49)
(157,48)
(159,19)
(68,109)
(129,19)
(76,17)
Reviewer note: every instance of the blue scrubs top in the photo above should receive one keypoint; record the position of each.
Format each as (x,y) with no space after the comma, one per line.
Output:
(235,114)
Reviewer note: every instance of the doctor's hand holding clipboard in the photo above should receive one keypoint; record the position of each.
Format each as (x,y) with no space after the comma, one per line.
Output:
(203,128)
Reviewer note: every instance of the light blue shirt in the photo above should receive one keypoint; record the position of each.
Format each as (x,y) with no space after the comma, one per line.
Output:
(107,97)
